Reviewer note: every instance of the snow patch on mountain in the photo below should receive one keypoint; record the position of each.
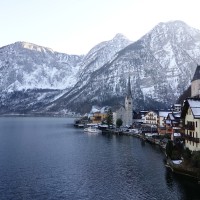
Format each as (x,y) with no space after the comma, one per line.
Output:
(28,66)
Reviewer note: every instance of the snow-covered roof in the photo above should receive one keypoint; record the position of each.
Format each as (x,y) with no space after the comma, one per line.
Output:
(163,113)
(178,114)
(177,134)
(168,121)
(171,116)
(95,109)
(196,112)
(104,109)
(177,105)
(195,107)
(177,162)
(194,103)
(176,128)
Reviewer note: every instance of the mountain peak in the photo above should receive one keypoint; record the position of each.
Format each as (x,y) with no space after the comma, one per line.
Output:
(120,36)
(174,23)
(31,46)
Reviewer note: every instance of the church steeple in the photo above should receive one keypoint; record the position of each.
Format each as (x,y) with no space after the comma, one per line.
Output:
(197,73)
(129,95)
(128,105)
(195,84)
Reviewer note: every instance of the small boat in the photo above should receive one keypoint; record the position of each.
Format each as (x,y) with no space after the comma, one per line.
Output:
(92,130)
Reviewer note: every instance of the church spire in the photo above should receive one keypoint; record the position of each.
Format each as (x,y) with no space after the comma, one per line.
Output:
(197,73)
(129,88)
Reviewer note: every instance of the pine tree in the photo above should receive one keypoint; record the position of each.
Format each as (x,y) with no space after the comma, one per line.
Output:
(109,118)
(119,122)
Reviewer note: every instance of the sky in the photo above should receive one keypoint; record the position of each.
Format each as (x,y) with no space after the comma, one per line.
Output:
(76,26)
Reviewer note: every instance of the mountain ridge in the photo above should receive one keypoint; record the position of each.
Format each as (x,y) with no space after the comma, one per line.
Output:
(160,63)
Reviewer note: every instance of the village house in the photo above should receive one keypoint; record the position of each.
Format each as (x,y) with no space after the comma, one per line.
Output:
(191,116)
(151,118)
(173,126)
(97,115)
(176,108)
(162,115)
(150,122)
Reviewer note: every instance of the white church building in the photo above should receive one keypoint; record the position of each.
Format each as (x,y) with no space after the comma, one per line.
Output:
(125,112)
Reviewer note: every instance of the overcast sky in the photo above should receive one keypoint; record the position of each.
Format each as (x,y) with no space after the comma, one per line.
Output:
(75,26)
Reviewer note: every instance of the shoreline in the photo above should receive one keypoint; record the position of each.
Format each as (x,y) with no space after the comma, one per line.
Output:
(180,169)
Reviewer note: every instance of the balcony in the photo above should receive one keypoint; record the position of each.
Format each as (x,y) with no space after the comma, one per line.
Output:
(192,139)
(189,127)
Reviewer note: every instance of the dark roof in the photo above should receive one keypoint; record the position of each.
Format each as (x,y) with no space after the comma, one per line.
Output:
(197,73)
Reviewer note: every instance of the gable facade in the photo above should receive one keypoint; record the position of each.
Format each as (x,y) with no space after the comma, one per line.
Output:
(191,111)
(151,118)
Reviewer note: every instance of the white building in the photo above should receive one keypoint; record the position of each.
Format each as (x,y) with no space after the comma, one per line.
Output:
(191,116)
(151,118)
(125,113)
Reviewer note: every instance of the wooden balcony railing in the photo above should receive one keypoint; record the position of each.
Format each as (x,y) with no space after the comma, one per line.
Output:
(189,127)
(192,139)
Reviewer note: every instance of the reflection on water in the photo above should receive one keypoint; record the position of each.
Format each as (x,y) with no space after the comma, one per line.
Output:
(169,178)
(47,158)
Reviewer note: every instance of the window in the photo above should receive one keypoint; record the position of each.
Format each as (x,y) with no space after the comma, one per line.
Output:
(196,123)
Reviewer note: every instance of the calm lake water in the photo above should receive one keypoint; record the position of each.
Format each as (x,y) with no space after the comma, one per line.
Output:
(47,158)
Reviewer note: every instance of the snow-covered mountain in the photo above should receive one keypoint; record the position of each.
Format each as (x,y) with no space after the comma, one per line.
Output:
(160,64)
(28,66)
(37,76)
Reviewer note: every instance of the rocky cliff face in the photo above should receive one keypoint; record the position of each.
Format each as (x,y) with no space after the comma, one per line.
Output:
(161,65)
(28,66)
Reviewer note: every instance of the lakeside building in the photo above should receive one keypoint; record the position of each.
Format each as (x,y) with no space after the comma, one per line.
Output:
(162,115)
(191,114)
(97,114)
(125,113)
(176,107)
(173,126)
(151,117)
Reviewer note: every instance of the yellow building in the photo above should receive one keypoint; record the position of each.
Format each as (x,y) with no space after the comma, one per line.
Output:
(98,115)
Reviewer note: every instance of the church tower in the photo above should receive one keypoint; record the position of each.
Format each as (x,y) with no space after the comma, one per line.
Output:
(195,84)
(128,106)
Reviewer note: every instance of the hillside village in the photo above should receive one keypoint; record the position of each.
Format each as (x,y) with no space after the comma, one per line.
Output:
(180,125)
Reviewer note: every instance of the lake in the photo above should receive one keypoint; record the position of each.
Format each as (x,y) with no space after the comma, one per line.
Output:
(47,158)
